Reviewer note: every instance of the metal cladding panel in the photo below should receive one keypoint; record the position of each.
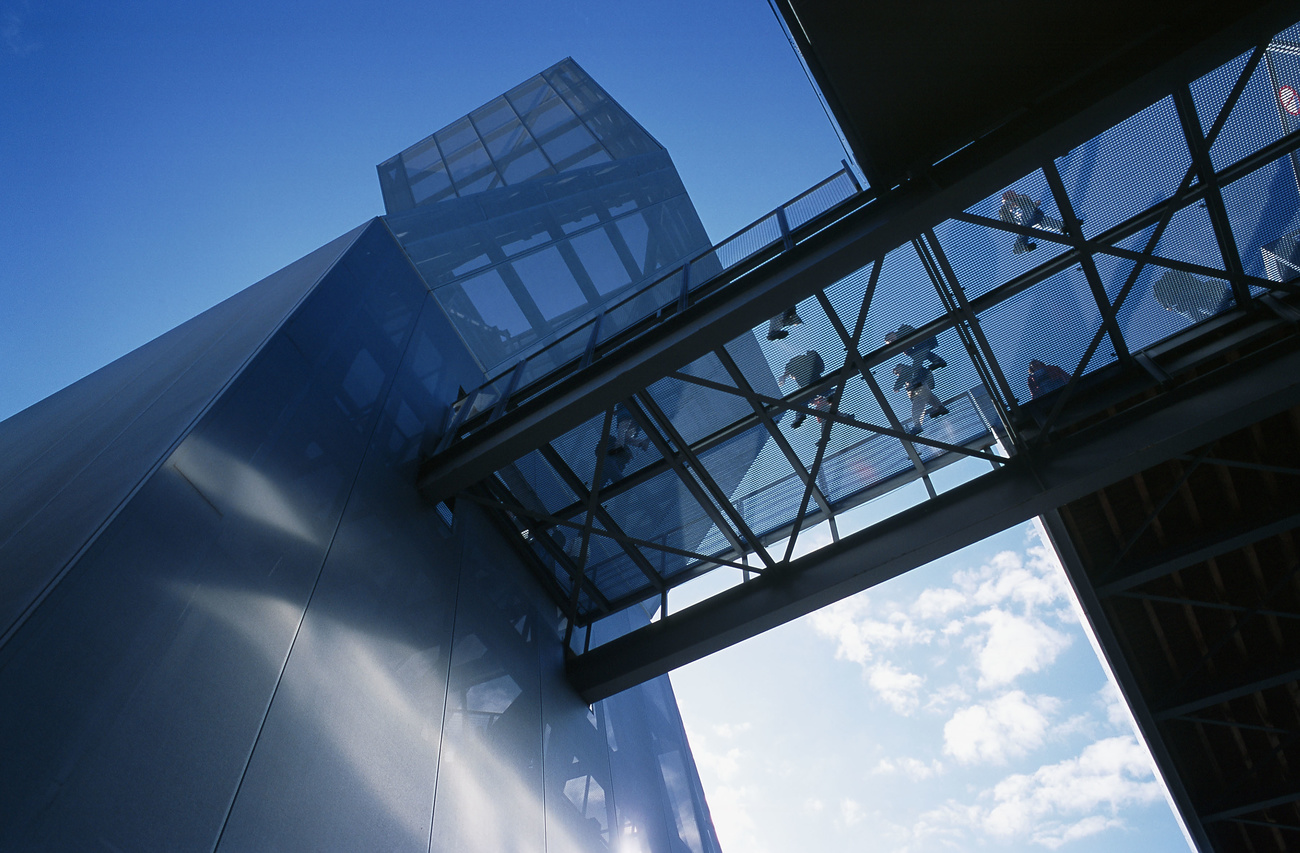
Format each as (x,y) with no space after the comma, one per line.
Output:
(348,752)
(68,462)
(157,652)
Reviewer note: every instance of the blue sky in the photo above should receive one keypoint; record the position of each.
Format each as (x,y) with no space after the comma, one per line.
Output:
(158,157)
(958,707)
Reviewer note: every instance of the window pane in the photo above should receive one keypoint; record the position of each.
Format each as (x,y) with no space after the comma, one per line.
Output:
(431,185)
(550,282)
(470,163)
(547,117)
(507,139)
(528,95)
(601,260)
(527,165)
(636,234)
(422,156)
(456,136)
(491,116)
(572,142)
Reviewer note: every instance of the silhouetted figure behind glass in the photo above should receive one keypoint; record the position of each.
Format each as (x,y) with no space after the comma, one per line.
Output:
(776,327)
(918,382)
(625,433)
(1194,297)
(922,352)
(1045,377)
(1020,209)
(804,370)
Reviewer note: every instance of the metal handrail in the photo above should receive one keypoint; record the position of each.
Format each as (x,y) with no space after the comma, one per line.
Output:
(785,237)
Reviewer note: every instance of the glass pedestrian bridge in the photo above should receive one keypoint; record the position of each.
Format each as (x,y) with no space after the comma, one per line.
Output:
(656,441)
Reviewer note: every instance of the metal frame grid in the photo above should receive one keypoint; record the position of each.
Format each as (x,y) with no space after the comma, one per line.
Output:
(1156,225)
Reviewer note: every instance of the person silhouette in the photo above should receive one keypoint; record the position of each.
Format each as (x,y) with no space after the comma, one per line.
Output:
(918,382)
(1020,209)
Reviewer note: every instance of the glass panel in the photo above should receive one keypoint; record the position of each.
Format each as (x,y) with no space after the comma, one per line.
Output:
(421,156)
(527,95)
(507,138)
(1125,170)
(570,143)
(557,354)
(486,180)
(550,282)
(749,241)
(1258,117)
(601,261)
(1051,322)
(493,115)
(819,201)
(469,164)
(630,311)
(595,155)
(487,303)
(549,116)
(636,235)
(525,166)
(525,237)
(431,185)
(456,136)
(575,218)
(1263,208)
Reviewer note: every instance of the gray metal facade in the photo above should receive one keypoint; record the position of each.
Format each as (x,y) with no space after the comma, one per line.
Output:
(231,623)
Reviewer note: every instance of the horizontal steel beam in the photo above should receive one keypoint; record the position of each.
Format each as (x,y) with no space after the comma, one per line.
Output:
(1256,805)
(1187,417)
(1173,560)
(1227,694)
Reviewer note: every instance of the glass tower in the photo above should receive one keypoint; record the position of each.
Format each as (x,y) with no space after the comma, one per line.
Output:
(531,212)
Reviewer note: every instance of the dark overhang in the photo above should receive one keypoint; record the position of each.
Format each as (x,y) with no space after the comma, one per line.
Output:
(912,83)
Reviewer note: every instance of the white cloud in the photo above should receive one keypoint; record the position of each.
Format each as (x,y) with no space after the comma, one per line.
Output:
(859,636)
(850,812)
(1007,727)
(896,687)
(1056,802)
(946,825)
(1054,805)
(812,805)
(732,809)
(730,730)
(725,765)
(945,697)
(1055,836)
(937,602)
(13,36)
(912,768)
(1038,581)
(1012,645)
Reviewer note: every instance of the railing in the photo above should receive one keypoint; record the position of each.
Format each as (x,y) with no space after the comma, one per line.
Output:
(646,306)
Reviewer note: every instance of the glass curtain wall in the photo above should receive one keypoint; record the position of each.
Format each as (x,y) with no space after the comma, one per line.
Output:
(533,211)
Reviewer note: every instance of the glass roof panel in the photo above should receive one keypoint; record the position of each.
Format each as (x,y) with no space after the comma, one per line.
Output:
(1133,165)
